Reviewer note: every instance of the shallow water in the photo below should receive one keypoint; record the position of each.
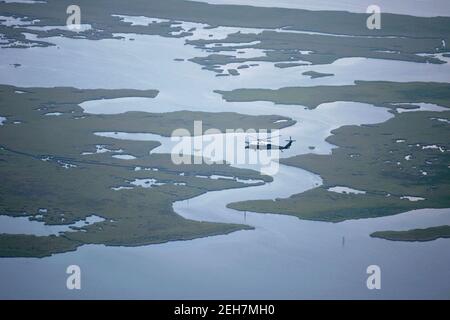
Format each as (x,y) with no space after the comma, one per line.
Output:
(23,225)
(283,258)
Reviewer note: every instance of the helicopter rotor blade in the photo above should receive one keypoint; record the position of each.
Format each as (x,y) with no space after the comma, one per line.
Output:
(272,137)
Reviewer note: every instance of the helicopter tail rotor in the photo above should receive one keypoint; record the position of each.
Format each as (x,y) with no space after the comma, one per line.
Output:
(290,140)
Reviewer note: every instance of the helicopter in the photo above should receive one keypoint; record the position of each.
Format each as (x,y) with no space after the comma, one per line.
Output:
(266,144)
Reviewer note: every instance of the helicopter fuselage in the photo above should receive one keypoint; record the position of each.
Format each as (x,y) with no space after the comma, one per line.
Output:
(268,146)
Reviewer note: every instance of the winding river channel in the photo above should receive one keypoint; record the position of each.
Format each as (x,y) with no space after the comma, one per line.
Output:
(283,257)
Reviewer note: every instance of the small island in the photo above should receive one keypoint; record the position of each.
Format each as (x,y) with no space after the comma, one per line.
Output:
(428,234)
(315,74)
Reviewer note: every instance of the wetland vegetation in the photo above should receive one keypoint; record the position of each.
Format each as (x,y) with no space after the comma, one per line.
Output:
(427,234)
(378,93)
(402,164)
(56,164)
